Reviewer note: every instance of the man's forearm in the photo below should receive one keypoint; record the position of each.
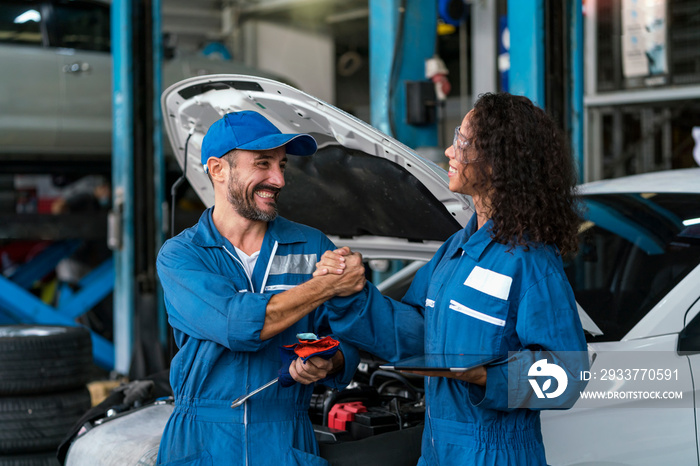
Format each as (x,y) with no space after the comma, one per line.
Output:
(287,308)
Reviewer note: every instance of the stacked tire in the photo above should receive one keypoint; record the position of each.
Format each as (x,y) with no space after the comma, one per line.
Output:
(43,375)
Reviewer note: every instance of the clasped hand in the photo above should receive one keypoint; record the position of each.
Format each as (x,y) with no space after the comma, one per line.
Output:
(345,268)
(343,262)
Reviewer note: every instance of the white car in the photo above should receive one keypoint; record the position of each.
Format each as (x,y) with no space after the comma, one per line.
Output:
(56,79)
(636,276)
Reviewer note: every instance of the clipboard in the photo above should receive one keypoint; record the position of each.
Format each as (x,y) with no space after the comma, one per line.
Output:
(441,362)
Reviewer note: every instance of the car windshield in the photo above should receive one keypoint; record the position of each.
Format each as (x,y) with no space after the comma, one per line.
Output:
(634,248)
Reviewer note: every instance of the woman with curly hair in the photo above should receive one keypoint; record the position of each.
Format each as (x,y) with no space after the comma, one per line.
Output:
(522,173)
(497,287)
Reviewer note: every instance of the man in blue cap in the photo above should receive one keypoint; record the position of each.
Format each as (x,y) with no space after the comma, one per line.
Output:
(238,285)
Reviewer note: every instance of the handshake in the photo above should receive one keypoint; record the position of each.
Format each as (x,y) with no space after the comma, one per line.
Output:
(338,273)
(342,270)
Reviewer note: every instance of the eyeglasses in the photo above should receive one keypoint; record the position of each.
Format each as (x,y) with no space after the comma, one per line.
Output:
(460,144)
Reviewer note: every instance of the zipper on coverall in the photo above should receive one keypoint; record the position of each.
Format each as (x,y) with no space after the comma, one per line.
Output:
(252,289)
(245,404)
(435,309)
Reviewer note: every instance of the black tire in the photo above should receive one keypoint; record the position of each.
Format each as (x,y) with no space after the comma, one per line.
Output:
(33,459)
(39,422)
(43,358)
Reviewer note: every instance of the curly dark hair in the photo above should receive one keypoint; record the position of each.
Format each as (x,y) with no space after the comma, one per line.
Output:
(527,170)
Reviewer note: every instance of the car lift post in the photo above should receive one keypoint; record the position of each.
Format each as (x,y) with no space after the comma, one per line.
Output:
(122,215)
(527,74)
(138,185)
(402,37)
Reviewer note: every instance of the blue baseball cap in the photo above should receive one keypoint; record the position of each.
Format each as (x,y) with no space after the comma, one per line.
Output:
(250,130)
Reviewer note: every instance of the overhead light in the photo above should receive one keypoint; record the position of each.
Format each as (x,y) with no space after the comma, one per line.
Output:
(29,15)
(691,221)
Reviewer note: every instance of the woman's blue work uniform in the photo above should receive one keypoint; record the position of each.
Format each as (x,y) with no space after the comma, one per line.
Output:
(217,312)
(479,297)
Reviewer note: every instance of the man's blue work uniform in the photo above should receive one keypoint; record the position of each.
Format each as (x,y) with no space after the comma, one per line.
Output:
(479,297)
(217,312)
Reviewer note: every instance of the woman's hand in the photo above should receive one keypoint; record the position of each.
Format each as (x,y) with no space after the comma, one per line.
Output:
(476,375)
(332,262)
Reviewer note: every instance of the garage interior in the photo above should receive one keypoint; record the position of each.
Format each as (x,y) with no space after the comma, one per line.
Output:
(80,226)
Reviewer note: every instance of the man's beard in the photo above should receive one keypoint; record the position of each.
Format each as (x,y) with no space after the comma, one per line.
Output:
(245,205)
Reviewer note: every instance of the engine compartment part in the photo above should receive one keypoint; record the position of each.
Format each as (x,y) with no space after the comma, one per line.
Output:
(343,414)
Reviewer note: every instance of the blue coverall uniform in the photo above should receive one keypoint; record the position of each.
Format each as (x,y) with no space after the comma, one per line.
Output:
(217,312)
(478,297)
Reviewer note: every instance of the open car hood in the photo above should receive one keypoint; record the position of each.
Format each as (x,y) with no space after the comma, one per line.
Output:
(362,188)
